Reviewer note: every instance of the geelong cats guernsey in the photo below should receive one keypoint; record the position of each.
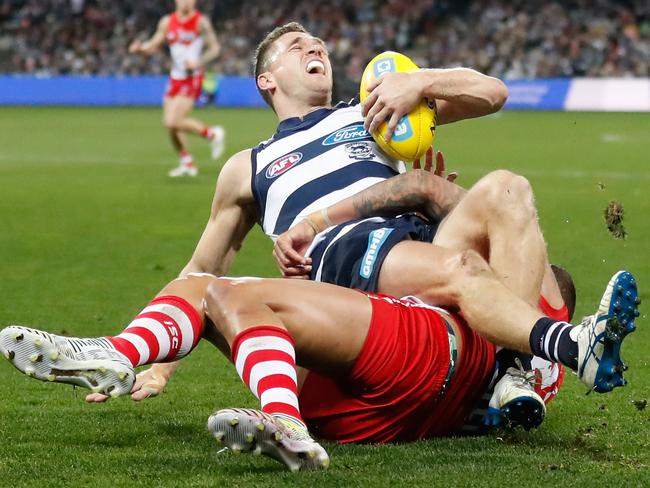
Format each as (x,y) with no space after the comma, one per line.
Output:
(314,162)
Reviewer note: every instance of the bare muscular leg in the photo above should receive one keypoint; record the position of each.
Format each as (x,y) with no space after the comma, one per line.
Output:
(498,220)
(169,116)
(328,323)
(177,122)
(466,281)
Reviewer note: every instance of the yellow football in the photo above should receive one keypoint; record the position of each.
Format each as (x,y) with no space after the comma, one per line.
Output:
(415,130)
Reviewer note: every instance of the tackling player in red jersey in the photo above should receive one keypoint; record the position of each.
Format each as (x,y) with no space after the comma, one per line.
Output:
(350,366)
(187,32)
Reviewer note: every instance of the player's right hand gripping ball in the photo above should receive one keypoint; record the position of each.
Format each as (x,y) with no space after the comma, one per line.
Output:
(415,130)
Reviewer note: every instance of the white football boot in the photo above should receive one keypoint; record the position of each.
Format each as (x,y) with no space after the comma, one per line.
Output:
(248,430)
(600,335)
(183,170)
(90,363)
(515,402)
(218,142)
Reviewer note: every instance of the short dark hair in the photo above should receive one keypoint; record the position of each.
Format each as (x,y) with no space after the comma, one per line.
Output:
(261,59)
(567,288)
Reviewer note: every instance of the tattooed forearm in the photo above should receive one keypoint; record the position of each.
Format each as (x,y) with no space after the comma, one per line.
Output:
(415,191)
(443,195)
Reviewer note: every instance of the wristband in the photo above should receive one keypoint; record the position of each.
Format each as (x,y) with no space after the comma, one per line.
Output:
(312,224)
(326,217)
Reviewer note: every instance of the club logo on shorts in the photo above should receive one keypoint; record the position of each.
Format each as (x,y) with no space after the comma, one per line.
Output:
(347,134)
(376,239)
(280,165)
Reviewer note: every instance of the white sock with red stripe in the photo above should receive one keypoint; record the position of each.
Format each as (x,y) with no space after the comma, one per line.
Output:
(166,330)
(186,159)
(208,133)
(265,359)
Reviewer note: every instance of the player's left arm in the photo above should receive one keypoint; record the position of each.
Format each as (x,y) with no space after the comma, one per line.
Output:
(459,93)
(212,45)
(152,45)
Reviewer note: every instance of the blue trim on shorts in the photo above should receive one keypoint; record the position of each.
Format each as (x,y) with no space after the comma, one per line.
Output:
(343,259)
(376,239)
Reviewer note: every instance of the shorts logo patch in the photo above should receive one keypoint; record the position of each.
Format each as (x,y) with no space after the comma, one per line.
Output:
(280,165)
(347,134)
(376,239)
(359,150)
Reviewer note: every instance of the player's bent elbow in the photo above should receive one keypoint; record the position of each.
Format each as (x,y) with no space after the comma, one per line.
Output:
(500,95)
(495,95)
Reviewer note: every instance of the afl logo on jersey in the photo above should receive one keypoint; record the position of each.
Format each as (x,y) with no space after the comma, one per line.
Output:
(279,166)
(347,134)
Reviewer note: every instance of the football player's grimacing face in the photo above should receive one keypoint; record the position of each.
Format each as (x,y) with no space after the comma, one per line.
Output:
(301,67)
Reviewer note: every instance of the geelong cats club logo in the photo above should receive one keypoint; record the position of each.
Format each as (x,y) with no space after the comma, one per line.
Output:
(279,166)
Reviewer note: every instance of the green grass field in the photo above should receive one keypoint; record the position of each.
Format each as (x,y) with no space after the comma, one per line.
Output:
(91,228)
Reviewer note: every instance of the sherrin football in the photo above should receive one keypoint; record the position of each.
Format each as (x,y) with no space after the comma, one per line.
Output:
(414,132)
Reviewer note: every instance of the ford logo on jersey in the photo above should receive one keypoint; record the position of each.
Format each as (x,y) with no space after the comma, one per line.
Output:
(347,134)
(280,165)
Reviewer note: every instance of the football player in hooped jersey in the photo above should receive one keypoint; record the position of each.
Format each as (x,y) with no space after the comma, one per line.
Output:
(322,154)
(192,44)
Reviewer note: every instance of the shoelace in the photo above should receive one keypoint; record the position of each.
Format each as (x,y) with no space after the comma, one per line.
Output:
(523,377)
(586,320)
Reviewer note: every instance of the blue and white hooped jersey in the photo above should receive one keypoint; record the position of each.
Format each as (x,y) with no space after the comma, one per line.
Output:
(314,162)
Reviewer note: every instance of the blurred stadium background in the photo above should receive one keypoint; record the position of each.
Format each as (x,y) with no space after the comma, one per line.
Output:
(92,227)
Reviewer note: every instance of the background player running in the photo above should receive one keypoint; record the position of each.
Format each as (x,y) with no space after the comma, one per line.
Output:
(187,32)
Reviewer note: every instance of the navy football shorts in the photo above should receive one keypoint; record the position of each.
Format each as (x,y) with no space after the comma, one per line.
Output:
(352,259)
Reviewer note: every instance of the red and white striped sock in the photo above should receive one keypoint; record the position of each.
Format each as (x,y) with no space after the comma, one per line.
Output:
(166,330)
(265,359)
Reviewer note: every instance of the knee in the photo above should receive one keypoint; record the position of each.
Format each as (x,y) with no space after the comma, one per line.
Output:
(503,181)
(225,302)
(198,281)
(219,298)
(507,193)
(170,123)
